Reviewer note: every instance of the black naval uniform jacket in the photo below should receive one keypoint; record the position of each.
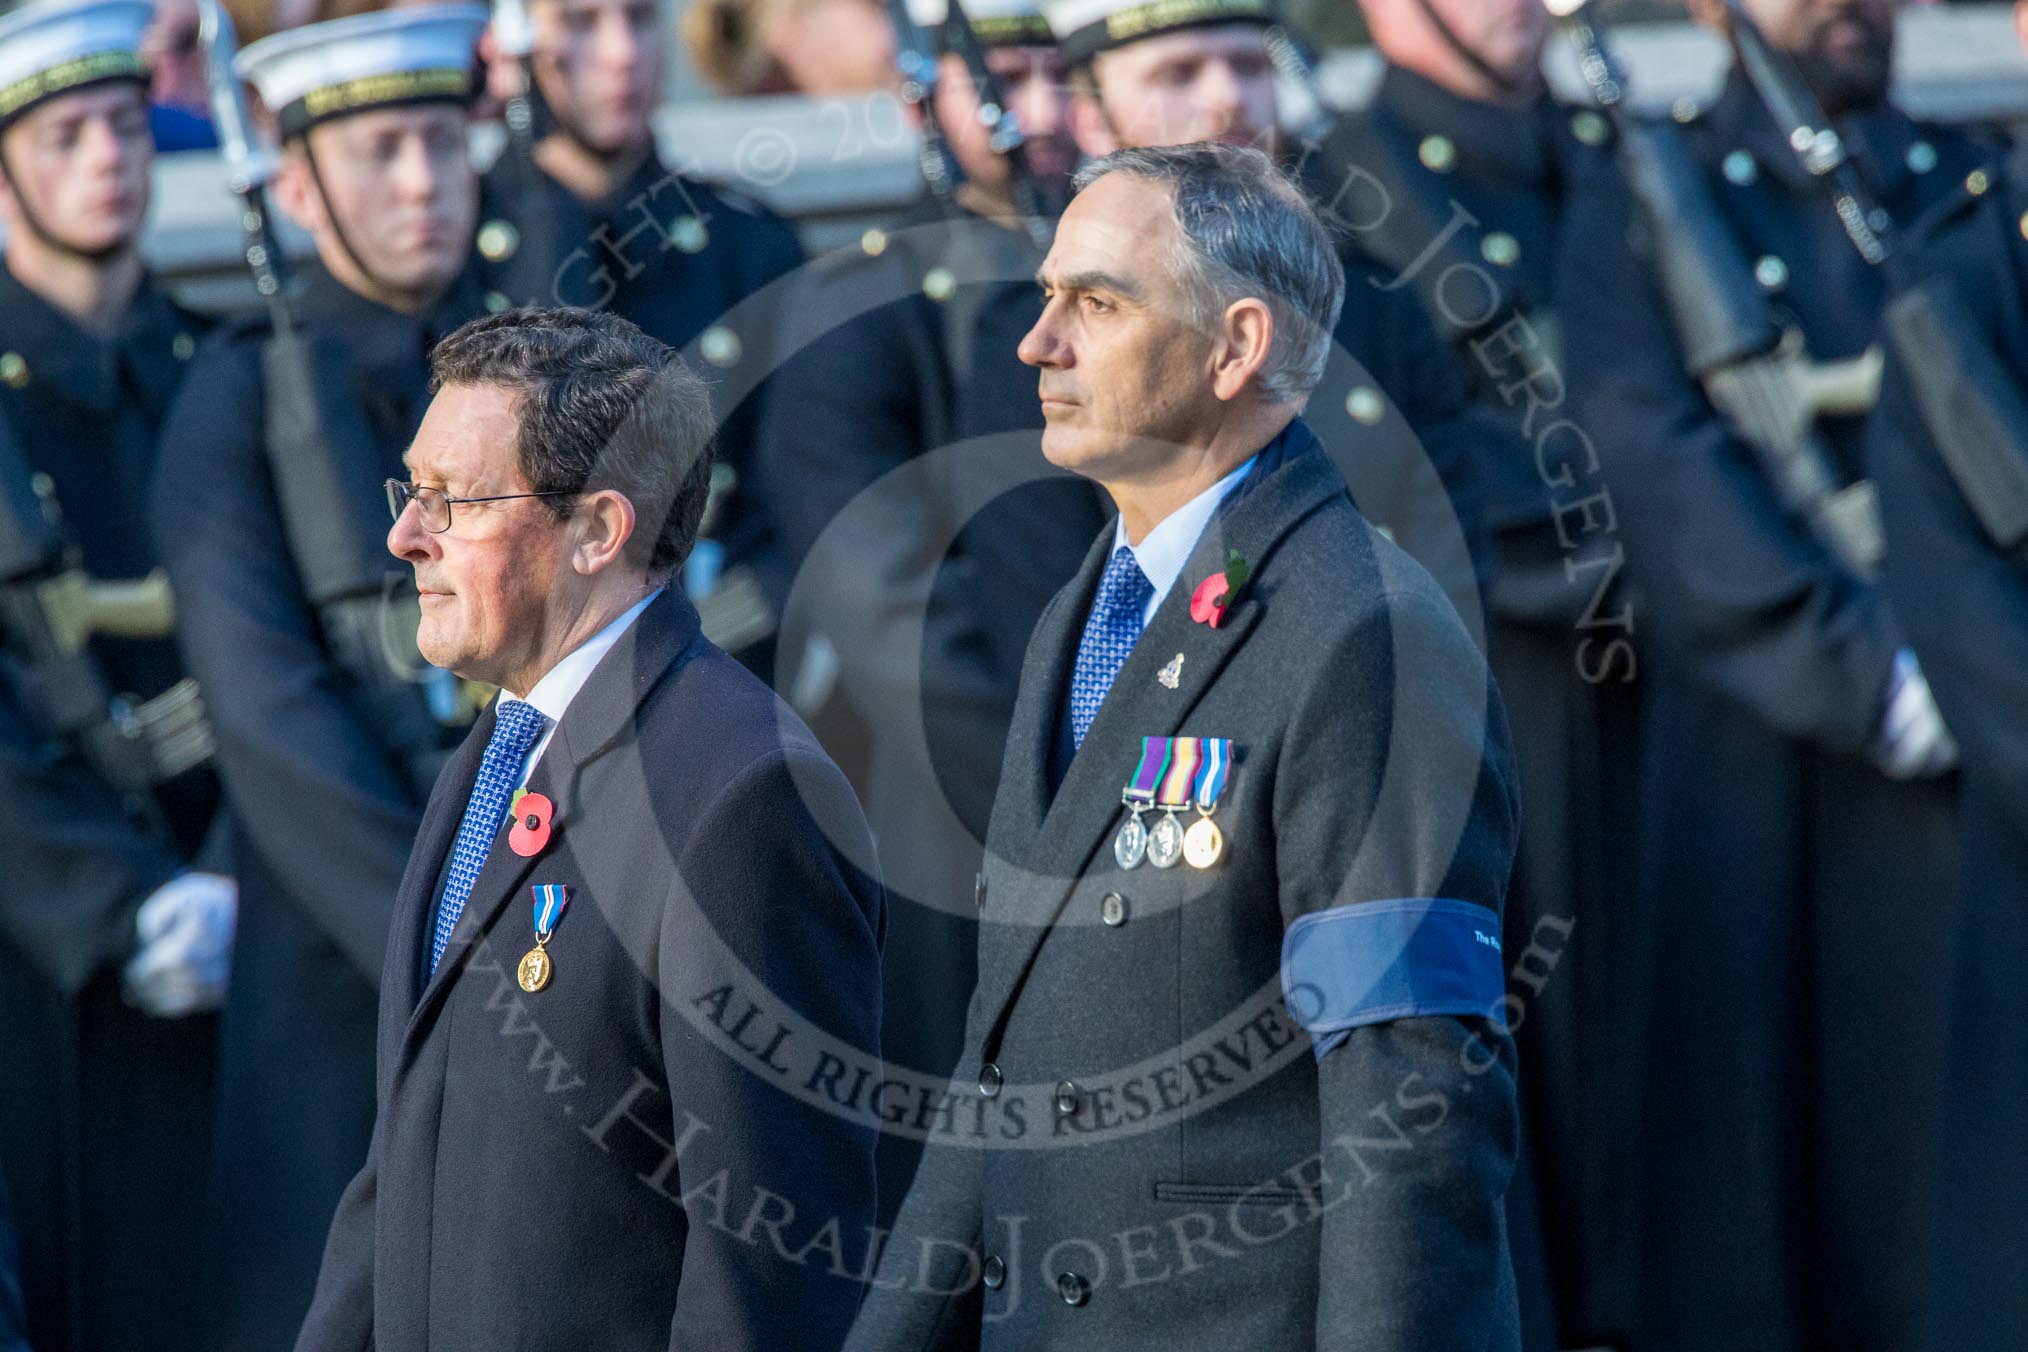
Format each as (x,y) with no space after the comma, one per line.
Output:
(1778,863)
(688,261)
(1148,1149)
(927,532)
(326,809)
(617,1160)
(1474,206)
(104,1128)
(1963,600)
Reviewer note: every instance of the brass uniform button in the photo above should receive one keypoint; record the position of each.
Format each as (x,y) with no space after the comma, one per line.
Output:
(1500,249)
(498,240)
(939,283)
(1977,182)
(1366,405)
(719,345)
(874,242)
(688,234)
(13,369)
(1437,154)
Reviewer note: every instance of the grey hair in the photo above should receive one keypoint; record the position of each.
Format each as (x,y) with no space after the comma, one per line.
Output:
(1245,229)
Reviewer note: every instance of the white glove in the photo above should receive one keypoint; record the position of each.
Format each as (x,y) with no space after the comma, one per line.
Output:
(1913,739)
(184,955)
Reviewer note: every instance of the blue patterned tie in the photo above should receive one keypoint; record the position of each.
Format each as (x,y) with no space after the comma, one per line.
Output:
(1109,635)
(517,727)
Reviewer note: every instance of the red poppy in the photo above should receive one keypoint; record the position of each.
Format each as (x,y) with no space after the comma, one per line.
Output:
(1207,603)
(532,812)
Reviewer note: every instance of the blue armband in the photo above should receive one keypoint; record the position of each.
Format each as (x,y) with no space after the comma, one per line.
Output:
(1374,961)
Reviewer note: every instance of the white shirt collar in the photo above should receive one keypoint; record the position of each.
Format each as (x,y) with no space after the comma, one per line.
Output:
(560,684)
(1167,547)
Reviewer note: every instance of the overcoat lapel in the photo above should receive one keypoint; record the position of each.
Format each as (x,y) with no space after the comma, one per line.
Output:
(1051,842)
(417,895)
(598,718)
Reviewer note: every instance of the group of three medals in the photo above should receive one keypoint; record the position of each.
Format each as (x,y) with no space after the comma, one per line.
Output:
(1175,773)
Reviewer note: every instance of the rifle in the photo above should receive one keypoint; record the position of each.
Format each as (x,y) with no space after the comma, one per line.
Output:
(49,609)
(1000,120)
(1757,373)
(916,59)
(1967,399)
(334,521)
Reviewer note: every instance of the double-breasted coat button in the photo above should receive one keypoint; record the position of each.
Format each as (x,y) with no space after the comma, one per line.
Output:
(1074,1289)
(1113,910)
(995,1272)
(1069,1098)
(990,1080)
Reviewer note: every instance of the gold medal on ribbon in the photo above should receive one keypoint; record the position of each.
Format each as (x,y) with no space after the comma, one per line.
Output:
(1204,843)
(536,966)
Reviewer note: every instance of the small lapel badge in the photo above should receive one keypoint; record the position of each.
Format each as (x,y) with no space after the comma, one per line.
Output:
(532,812)
(1171,675)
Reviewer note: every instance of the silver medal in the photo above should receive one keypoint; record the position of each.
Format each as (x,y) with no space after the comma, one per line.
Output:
(1130,846)
(1165,842)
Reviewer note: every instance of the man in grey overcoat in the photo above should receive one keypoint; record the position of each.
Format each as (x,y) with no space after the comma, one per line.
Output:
(1237,1072)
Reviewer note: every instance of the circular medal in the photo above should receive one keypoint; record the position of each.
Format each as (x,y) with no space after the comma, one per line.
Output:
(1203,843)
(533,973)
(1165,842)
(1130,846)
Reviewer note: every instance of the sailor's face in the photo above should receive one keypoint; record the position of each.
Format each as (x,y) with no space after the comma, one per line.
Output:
(1202,84)
(1124,370)
(80,164)
(487,584)
(1845,47)
(1032,79)
(1507,35)
(398,183)
(599,65)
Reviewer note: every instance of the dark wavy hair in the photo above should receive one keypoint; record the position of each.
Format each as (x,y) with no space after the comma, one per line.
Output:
(602,406)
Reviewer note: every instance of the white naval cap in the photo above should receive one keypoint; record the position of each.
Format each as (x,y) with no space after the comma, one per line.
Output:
(409,54)
(1087,27)
(52,48)
(998,23)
